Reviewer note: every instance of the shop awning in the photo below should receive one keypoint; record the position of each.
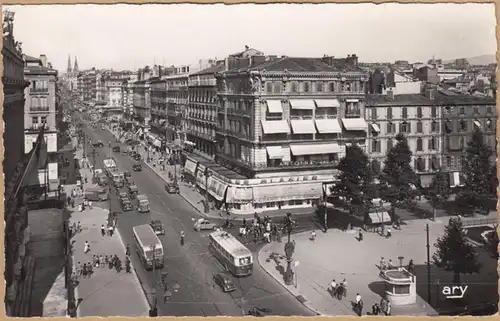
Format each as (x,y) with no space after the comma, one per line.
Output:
(289,191)
(314,149)
(275,152)
(190,167)
(217,188)
(352,100)
(274,106)
(328,126)
(302,104)
(355,123)
(303,126)
(379,217)
(200,176)
(275,127)
(236,194)
(327,103)
(375,128)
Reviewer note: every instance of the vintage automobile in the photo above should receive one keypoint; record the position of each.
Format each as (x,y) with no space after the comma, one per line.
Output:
(126,204)
(137,157)
(116,149)
(98,144)
(122,193)
(225,282)
(137,167)
(203,224)
(172,187)
(127,174)
(133,191)
(157,227)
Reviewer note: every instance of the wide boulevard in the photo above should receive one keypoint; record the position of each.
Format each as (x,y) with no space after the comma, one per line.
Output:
(190,265)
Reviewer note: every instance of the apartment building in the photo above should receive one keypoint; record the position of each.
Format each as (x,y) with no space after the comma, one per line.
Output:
(283,124)
(201,115)
(159,105)
(40,110)
(176,104)
(87,85)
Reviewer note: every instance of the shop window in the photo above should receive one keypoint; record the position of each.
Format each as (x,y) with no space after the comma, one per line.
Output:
(401,289)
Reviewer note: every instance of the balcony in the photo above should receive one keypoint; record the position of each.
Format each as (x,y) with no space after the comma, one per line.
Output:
(39,90)
(202,135)
(204,82)
(39,109)
(36,128)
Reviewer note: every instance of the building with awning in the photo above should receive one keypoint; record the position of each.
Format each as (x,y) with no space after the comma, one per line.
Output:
(190,167)
(327,103)
(200,176)
(303,126)
(275,127)
(379,217)
(287,192)
(239,194)
(357,124)
(328,126)
(274,106)
(314,149)
(275,152)
(217,188)
(305,104)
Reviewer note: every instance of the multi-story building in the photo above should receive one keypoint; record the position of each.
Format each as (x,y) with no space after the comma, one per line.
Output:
(142,102)
(283,124)
(113,90)
(176,103)
(437,124)
(87,85)
(201,114)
(40,111)
(158,105)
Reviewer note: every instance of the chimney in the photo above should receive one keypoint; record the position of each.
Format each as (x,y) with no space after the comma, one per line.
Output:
(246,48)
(352,61)
(257,60)
(43,58)
(430,93)
(390,94)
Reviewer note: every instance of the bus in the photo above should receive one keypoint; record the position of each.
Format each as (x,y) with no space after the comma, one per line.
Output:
(145,239)
(233,255)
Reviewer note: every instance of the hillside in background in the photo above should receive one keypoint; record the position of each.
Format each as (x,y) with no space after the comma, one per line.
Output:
(478,60)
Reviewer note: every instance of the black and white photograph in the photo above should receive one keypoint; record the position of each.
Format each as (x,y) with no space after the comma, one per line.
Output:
(250,160)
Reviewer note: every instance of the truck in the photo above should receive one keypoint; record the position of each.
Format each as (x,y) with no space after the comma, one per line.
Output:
(118,178)
(96,194)
(148,246)
(143,203)
(109,165)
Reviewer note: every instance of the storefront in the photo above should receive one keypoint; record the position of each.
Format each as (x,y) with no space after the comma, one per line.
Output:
(239,199)
(217,189)
(190,170)
(287,196)
(200,177)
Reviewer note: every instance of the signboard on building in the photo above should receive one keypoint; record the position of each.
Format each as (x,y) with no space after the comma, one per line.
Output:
(50,140)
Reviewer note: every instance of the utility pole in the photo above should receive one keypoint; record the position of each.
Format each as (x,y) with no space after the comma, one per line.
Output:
(153,312)
(428,264)
(109,149)
(84,143)
(326,211)
(93,163)
(207,209)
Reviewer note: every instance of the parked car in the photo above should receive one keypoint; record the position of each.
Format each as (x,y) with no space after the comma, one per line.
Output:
(122,194)
(137,167)
(172,187)
(137,157)
(203,224)
(158,227)
(133,191)
(98,144)
(127,174)
(225,282)
(126,204)
(116,149)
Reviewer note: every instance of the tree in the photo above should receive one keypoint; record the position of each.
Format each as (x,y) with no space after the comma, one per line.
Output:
(492,243)
(476,170)
(454,252)
(355,180)
(439,191)
(398,180)
(493,179)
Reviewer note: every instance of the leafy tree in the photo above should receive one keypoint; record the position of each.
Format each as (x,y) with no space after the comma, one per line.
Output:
(439,191)
(354,184)
(454,252)
(493,180)
(477,172)
(492,243)
(398,180)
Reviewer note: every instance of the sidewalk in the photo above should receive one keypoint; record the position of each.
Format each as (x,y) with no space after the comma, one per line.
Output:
(106,293)
(196,200)
(338,255)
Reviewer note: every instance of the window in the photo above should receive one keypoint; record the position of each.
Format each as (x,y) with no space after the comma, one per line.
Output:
(448,126)
(389,144)
(390,128)
(461,111)
(448,161)
(420,164)
(433,142)
(434,163)
(434,126)
(293,87)
(433,112)
(376,166)
(306,87)
(404,112)
(419,145)
(463,125)
(34,121)
(277,87)
(419,112)
(319,87)
(389,113)
(375,146)
(489,110)
(405,127)
(419,127)
(489,124)
(476,110)
(331,87)
(374,113)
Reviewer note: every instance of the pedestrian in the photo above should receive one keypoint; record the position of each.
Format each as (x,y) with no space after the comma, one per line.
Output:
(313,236)
(84,270)
(333,285)
(94,260)
(127,250)
(101,261)
(382,264)
(86,247)
(79,227)
(375,309)
(97,262)
(390,265)
(244,222)
(110,230)
(103,230)
(388,309)
(78,268)
(90,204)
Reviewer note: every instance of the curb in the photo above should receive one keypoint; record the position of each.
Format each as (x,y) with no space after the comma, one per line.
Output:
(305,303)
(146,301)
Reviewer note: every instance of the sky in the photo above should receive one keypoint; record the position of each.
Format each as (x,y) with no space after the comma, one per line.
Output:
(131,36)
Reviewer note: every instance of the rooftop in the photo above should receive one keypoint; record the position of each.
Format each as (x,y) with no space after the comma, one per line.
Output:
(299,64)
(39,70)
(441,97)
(211,70)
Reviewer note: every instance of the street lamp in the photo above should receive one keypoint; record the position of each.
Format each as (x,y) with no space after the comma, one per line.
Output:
(326,211)
(207,174)
(288,225)
(109,149)
(93,164)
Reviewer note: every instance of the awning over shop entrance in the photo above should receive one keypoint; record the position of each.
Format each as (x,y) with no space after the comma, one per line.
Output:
(286,192)
(217,188)
(379,217)
(190,167)
(237,194)
(200,176)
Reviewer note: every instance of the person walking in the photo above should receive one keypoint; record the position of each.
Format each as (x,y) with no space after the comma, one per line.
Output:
(127,250)
(86,248)
(103,230)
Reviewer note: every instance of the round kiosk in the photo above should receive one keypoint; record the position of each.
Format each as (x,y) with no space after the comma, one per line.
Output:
(400,286)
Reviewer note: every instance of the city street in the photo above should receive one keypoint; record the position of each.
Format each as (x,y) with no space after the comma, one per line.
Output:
(191,265)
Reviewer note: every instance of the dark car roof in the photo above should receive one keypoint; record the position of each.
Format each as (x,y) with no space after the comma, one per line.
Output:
(224,277)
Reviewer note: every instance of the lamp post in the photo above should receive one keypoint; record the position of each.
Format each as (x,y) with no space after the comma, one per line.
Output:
(109,149)
(207,174)
(147,148)
(288,224)
(326,211)
(93,164)
(153,312)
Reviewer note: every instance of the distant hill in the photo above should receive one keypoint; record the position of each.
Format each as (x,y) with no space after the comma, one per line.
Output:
(478,60)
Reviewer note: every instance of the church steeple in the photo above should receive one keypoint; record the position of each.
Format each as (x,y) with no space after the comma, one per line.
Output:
(76,64)
(69,64)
